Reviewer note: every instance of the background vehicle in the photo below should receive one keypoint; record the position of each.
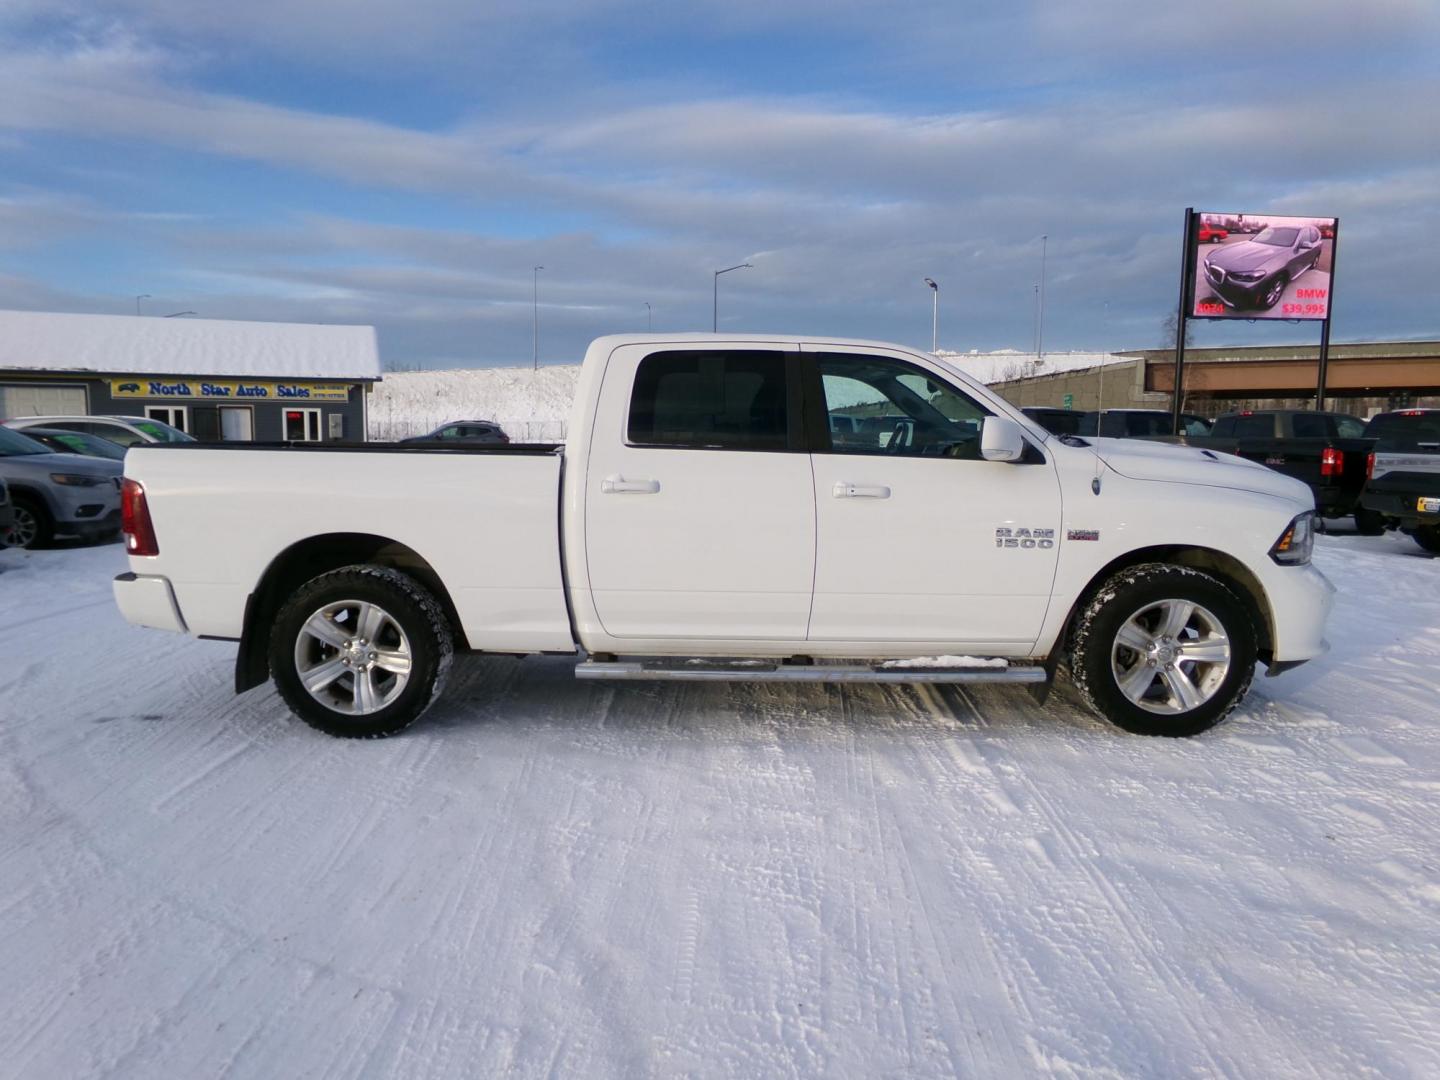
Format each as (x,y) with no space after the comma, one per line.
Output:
(1254,273)
(712,525)
(7,514)
(57,494)
(1212,234)
(124,430)
(1403,489)
(75,442)
(1140,423)
(1058,421)
(1325,451)
(464,433)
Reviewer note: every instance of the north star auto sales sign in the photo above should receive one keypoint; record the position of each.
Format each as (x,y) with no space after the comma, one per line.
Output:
(227,390)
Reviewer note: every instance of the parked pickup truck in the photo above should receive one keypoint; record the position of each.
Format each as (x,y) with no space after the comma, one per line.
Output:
(1325,451)
(773,509)
(1403,490)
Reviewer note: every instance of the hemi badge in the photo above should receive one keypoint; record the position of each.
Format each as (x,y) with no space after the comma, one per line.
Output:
(1082,534)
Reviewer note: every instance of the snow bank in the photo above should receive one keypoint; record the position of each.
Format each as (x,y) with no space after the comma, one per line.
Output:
(532,406)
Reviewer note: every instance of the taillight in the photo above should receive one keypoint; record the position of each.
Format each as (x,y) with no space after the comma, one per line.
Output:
(135,520)
(1370,465)
(1332,461)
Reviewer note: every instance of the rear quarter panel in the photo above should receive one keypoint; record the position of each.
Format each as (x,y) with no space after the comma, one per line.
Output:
(487,524)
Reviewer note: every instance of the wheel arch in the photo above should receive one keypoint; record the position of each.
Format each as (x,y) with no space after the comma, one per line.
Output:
(1226,568)
(309,558)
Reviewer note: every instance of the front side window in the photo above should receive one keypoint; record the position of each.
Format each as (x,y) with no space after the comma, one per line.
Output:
(1255,427)
(733,400)
(1310,425)
(877,405)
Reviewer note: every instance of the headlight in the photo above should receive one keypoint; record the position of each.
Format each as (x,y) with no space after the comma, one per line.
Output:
(76,480)
(1296,542)
(1248,275)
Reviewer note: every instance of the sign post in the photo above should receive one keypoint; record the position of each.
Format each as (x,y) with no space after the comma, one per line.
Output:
(1187,288)
(1325,326)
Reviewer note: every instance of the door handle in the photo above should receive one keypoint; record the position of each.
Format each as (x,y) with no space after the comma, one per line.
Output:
(618,485)
(842,490)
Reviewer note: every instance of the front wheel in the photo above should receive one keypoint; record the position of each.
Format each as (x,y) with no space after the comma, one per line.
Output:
(32,527)
(1273,292)
(360,652)
(1163,650)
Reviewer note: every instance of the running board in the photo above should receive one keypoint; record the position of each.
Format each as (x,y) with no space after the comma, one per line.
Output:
(764,671)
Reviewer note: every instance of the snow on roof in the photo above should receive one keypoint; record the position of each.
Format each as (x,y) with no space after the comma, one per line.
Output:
(1008,365)
(128,344)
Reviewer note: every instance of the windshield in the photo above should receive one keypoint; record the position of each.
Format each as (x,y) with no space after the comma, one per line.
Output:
(162,432)
(1277,237)
(1406,431)
(13,444)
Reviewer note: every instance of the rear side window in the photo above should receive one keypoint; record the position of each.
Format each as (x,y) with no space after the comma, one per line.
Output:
(1310,426)
(710,400)
(1255,426)
(1348,427)
(1224,427)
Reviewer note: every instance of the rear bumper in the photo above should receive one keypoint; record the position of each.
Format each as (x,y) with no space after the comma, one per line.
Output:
(1300,600)
(1402,505)
(148,601)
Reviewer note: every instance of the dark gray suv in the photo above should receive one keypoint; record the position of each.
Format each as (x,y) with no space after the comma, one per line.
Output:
(1253,274)
(53,494)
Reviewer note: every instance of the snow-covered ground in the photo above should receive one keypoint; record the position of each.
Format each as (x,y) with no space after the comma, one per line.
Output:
(555,878)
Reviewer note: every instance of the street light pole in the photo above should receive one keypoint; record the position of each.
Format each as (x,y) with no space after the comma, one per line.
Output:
(535,321)
(142,296)
(1040,324)
(649,318)
(715,295)
(934,314)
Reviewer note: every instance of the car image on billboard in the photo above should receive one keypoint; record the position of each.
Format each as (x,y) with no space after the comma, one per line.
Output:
(1262,266)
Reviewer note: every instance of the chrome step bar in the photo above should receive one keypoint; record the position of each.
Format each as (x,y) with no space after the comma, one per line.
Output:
(750,671)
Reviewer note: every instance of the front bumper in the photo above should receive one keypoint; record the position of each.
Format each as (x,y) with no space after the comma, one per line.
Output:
(148,601)
(1300,600)
(86,511)
(1237,294)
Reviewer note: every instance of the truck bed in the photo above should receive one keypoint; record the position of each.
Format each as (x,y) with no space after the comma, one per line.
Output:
(485,519)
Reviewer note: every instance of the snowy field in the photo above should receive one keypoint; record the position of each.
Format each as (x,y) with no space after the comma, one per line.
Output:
(531,406)
(555,878)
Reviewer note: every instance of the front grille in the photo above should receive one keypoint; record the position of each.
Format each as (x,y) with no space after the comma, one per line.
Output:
(1215,274)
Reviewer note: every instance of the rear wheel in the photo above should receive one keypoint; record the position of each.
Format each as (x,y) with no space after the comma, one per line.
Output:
(1163,650)
(1428,537)
(360,652)
(1369,522)
(32,527)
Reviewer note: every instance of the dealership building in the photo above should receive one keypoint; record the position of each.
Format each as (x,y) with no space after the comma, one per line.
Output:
(217,380)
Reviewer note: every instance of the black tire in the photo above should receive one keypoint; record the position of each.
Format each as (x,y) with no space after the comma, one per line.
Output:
(1274,292)
(412,612)
(1132,591)
(33,527)
(1428,537)
(1369,522)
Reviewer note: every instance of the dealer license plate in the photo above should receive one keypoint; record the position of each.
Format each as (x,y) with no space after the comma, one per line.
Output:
(1427,506)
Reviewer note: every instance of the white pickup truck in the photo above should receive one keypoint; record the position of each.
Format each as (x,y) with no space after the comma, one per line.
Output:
(737,508)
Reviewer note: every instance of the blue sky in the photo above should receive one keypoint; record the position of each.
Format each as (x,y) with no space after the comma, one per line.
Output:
(406,164)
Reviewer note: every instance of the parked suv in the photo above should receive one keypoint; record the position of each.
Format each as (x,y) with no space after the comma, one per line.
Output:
(53,494)
(125,430)
(1403,485)
(7,513)
(464,433)
(1254,273)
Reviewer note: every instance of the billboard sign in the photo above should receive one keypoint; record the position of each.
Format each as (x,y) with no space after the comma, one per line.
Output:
(1262,266)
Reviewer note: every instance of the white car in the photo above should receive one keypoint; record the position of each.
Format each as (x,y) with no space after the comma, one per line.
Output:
(777,509)
(125,430)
